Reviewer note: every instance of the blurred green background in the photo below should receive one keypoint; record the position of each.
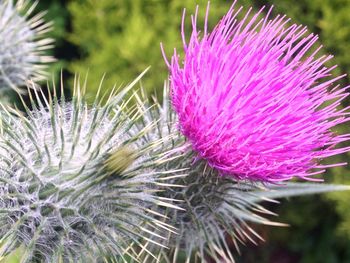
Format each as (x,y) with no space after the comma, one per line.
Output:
(120,38)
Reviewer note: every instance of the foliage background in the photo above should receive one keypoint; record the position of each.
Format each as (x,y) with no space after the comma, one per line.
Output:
(120,38)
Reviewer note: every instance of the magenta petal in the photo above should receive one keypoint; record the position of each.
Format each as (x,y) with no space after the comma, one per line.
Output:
(253,98)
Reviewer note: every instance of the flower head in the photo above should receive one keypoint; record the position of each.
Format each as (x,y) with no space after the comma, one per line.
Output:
(22,45)
(255,100)
(214,210)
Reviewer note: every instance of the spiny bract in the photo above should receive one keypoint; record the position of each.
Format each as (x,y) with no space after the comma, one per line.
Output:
(211,206)
(22,45)
(77,182)
(254,100)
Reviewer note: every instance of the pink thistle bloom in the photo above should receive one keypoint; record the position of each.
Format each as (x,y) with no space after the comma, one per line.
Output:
(255,100)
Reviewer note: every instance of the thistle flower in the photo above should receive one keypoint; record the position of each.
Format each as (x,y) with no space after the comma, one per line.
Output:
(255,100)
(22,44)
(215,210)
(77,182)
